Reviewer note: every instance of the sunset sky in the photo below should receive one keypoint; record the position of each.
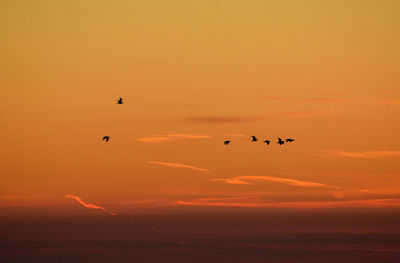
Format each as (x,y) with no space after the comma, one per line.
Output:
(194,74)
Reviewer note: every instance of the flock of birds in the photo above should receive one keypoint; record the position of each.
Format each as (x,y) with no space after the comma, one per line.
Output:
(253,138)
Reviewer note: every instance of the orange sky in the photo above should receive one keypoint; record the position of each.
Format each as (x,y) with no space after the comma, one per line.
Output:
(193,74)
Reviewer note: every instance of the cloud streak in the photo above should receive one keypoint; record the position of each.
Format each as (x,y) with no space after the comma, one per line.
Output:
(390,102)
(260,203)
(312,100)
(362,154)
(179,136)
(245,119)
(333,100)
(178,165)
(246,179)
(171,137)
(223,119)
(88,205)
(295,114)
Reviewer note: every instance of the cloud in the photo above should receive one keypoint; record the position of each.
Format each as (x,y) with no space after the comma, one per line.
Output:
(327,100)
(389,102)
(260,203)
(355,193)
(244,119)
(155,139)
(234,180)
(224,202)
(246,178)
(363,154)
(178,165)
(296,114)
(223,119)
(276,98)
(87,205)
(334,100)
(172,137)
(179,136)
(312,100)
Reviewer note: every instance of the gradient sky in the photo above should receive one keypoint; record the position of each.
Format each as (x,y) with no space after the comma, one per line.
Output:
(193,74)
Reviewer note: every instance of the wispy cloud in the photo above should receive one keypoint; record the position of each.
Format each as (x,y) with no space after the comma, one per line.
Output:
(362,154)
(311,100)
(260,203)
(357,194)
(334,100)
(178,165)
(240,201)
(87,205)
(325,100)
(390,102)
(172,137)
(246,179)
(179,136)
(155,139)
(244,119)
(223,119)
(295,114)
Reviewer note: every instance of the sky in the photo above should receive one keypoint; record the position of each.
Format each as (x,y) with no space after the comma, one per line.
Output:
(192,75)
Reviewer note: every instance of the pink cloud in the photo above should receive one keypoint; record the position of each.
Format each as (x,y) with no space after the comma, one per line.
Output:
(87,205)
(246,178)
(178,165)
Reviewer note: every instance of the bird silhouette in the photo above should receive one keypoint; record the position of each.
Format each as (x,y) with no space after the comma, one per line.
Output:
(120,101)
(267,142)
(280,142)
(254,139)
(289,140)
(106,138)
(226,142)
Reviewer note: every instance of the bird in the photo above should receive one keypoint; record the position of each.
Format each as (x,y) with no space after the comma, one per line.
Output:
(106,138)
(226,142)
(280,142)
(254,139)
(120,101)
(267,142)
(289,140)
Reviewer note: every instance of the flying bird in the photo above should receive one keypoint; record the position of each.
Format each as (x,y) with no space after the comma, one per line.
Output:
(254,139)
(289,140)
(226,142)
(280,142)
(120,101)
(267,142)
(106,138)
